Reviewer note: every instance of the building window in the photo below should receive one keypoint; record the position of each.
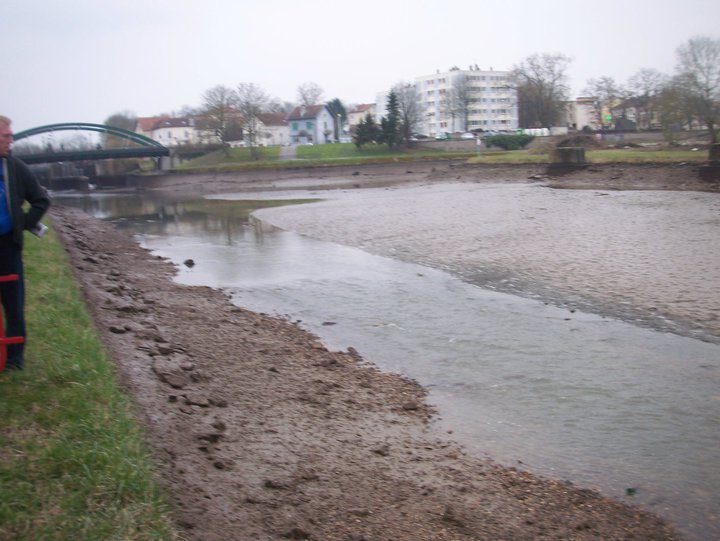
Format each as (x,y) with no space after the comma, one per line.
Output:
(295,126)
(309,125)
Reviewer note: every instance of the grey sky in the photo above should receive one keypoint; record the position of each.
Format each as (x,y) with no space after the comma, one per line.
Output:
(83,60)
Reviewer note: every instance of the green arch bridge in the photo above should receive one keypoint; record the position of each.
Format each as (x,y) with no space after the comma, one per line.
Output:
(143,147)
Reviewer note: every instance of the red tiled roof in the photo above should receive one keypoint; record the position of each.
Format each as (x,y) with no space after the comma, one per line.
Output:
(273,119)
(172,123)
(363,107)
(148,123)
(303,112)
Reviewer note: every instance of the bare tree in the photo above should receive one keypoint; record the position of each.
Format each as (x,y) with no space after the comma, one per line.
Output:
(458,100)
(542,87)
(646,82)
(186,111)
(645,86)
(277,106)
(673,109)
(125,120)
(251,101)
(310,94)
(219,107)
(608,93)
(698,73)
(411,113)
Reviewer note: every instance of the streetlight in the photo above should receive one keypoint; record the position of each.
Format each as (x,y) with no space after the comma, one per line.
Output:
(339,126)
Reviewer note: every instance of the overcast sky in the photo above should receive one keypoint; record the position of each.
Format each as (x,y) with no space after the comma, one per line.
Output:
(83,60)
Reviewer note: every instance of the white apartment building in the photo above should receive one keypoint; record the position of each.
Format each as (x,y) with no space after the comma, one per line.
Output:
(464,100)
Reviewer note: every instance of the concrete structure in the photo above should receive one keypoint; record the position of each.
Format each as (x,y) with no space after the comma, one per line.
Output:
(464,100)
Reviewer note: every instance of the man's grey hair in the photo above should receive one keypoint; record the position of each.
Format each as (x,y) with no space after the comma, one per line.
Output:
(5,120)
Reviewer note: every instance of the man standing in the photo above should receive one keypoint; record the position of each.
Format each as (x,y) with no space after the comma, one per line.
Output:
(17,186)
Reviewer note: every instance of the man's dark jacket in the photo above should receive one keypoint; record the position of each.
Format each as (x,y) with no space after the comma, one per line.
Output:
(21,185)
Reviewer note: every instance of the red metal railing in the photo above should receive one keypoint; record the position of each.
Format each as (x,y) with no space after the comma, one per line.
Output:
(6,340)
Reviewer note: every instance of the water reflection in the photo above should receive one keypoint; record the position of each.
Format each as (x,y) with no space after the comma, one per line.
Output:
(572,395)
(209,220)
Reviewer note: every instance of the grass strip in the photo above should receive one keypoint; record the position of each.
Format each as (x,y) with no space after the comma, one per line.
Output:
(601,156)
(348,155)
(73,462)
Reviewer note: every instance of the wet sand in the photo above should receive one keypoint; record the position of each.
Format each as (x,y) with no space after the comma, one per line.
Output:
(260,433)
(650,257)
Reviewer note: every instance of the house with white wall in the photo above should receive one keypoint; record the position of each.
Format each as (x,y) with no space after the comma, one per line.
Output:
(358,114)
(311,124)
(146,125)
(168,131)
(583,113)
(273,129)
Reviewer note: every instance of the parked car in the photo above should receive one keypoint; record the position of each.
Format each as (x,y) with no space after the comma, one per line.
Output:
(442,136)
(467,135)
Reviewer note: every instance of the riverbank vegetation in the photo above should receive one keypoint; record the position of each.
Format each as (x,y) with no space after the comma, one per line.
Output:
(349,154)
(74,465)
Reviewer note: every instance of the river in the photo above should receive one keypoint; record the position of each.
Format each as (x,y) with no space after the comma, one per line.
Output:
(570,333)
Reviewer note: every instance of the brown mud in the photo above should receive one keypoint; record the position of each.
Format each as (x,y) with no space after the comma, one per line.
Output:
(260,433)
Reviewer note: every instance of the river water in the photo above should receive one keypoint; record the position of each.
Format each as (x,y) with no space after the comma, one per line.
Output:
(570,333)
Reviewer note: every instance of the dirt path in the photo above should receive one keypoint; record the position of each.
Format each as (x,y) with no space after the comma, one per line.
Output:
(260,433)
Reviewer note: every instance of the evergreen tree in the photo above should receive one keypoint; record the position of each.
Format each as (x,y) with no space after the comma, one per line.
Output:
(339,116)
(367,131)
(391,123)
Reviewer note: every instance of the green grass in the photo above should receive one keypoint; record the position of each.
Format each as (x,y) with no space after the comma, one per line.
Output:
(232,156)
(635,155)
(312,156)
(73,464)
(346,150)
(630,155)
(348,154)
(508,157)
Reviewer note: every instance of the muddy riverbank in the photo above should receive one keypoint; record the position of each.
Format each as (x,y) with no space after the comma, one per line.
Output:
(260,433)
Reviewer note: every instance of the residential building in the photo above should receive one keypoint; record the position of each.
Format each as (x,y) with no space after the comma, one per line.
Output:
(311,124)
(146,125)
(639,111)
(358,113)
(170,132)
(273,129)
(464,100)
(583,114)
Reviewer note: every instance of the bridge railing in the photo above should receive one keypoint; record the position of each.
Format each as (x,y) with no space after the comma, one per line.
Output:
(145,147)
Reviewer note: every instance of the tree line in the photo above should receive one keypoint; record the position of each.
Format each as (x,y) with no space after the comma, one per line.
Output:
(691,96)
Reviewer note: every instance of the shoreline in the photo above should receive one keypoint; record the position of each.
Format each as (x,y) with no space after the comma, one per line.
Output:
(261,433)
(652,176)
